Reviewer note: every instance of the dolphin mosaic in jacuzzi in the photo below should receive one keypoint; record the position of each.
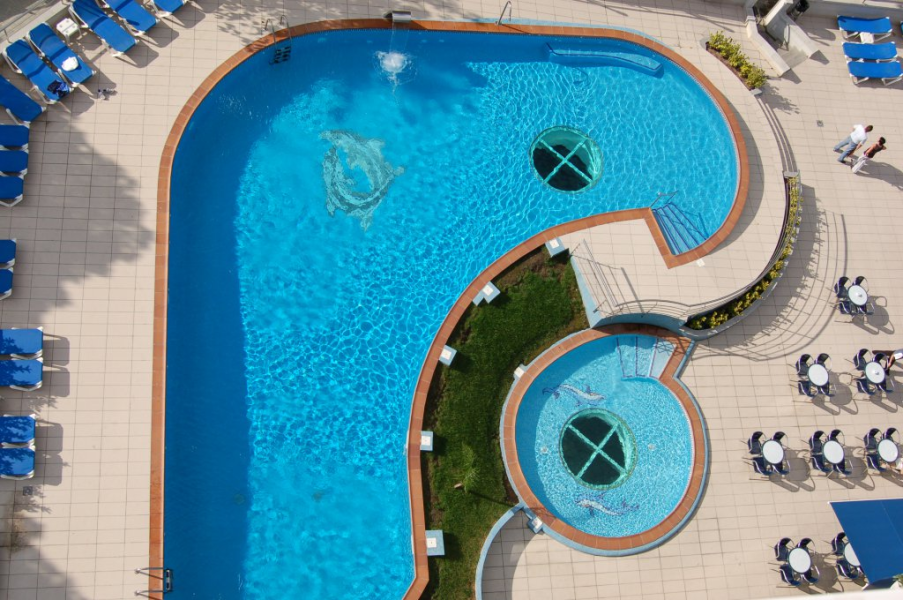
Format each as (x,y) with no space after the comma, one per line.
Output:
(586,396)
(597,503)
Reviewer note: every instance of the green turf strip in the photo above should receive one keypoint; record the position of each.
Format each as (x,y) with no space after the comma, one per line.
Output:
(539,305)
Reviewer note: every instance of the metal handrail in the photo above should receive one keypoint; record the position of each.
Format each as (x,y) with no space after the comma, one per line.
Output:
(14,23)
(668,195)
(509,8)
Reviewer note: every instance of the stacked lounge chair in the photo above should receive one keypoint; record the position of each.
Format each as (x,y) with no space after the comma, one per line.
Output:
(16,463)
(874,29)
(7,253)
(887,72)
(136,18)
(11,190)
(92,17)
(22,344)
(877,52)
(14,136)
(24,375)
(54,50)
(17,431)
(17,103)
(165,8)
(24,60)
(6,283)
(14,161)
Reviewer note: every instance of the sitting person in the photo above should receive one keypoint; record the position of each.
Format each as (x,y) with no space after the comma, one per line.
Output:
(868,155)
(894,357)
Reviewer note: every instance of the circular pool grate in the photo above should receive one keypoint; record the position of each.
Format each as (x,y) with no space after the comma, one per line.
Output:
(598,448)
(566,159)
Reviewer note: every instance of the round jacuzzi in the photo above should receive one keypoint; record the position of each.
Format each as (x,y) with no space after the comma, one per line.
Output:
(607,448)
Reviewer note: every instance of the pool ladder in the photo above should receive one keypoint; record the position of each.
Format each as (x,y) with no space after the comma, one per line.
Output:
(164,577)
(509,8)
(281,52)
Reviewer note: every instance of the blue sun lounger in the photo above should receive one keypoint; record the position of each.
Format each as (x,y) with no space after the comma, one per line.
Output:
(137,18)
(109,31)
(16,463)
(16,430)
(23,375)
(17,103)
(22,59)
(165,8)
(7,253)
(6,283)
(22,343)
(878,28)
(11,189)
(876,52)
(14,161)
(14,136)
(55,50)
(887,72)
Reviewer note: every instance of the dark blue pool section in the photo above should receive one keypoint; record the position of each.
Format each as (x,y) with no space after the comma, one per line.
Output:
(295,335)
(207,447)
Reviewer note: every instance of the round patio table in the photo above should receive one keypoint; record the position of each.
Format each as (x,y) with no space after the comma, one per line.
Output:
(799,560)
(833,452)
(874,372)
(818,375)
(773,452)
(888,451)
(850,555)
(857,295)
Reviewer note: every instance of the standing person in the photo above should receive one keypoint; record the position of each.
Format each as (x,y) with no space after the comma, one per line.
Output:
(868,155)
(857,137)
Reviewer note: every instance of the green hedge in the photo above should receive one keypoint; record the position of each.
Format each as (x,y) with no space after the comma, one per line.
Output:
(736,307)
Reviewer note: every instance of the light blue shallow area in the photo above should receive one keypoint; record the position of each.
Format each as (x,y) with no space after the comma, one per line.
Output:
(296,336)
(610,374)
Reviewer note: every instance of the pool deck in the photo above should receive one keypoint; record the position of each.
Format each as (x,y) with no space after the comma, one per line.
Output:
(86,272)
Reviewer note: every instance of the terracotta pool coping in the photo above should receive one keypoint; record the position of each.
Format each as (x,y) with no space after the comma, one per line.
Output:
(668,379)
(158,421)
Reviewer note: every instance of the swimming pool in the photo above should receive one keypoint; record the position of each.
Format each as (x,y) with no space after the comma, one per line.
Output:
(600,411)
(325,213)
(603,443)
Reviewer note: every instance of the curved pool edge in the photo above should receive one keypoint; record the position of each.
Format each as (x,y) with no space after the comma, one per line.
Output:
(158,393)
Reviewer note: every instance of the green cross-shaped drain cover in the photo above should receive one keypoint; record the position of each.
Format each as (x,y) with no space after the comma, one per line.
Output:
(598,448)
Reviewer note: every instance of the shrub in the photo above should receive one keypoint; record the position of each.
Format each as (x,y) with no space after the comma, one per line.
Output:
(729,50)
(736,307)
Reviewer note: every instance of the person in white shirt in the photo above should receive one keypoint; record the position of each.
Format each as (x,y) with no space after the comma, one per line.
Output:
(857,137)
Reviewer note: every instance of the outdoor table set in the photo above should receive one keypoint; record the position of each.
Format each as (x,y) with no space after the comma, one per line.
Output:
(847,561)
(768,456)
(853,296)
(828,455)
(874,366)
(881,448)
(797,567)
(814,377)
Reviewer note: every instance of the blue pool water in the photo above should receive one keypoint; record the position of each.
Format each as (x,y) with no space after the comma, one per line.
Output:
(617,375)
(324,219)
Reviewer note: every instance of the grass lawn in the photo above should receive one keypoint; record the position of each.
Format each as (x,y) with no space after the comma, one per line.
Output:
(466,488)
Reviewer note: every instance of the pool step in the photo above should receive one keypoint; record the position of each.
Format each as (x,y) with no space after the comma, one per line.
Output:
(680,232)
(642,356)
